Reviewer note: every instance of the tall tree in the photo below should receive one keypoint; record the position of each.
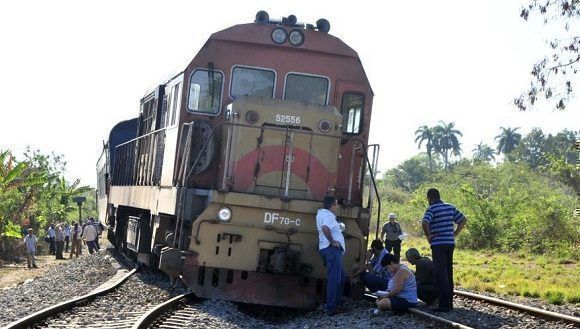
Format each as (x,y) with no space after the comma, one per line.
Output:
(552,75)
(507,140)
(446,141)
(532,149)
(483,152)
(426,134)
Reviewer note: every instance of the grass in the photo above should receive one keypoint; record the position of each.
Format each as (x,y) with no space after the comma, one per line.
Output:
(520,273)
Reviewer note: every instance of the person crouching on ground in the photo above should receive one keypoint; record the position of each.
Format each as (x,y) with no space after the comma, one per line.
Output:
(30,244)
(332,248)
(401,293)
(373,274)
(427,287)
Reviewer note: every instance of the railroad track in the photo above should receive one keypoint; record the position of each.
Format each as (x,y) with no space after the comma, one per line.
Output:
(44,314)
(172,314)
(445,319)
(119,305)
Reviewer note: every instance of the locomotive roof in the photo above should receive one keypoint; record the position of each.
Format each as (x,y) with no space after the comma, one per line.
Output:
(261,34)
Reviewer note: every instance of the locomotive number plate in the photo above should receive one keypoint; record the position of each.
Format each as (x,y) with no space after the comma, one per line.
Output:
(276,218)
(287,118)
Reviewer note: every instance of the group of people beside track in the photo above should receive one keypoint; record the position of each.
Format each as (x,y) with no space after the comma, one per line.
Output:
(62,235)
(396,286)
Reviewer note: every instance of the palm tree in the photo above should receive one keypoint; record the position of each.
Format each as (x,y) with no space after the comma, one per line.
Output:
(425,134)
(446,141)
(483,152)
(508,140)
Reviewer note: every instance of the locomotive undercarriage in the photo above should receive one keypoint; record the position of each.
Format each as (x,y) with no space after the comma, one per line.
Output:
(239,260)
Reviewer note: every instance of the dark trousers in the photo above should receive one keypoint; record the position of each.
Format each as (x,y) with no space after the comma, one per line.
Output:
(335,276)
(394,247)
(51,246)
(427,293)
(66,241)
(374,282)
(59,245)
(443,262)
(91,245)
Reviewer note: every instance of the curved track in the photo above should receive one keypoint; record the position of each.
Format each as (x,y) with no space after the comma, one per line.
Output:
(50,311)
(174,313)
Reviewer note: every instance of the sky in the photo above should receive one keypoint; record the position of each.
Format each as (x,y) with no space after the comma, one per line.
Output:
(70,70)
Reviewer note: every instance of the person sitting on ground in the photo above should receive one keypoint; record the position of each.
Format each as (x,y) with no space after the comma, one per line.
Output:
(427,287)
(401,293)
(373,274)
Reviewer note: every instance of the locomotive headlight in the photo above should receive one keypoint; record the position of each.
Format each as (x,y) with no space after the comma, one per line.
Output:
(324,126)
(252,116)
(279,35)
(296,38)
(224,214)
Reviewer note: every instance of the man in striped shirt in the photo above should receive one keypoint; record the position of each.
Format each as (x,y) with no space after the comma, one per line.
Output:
(439,229)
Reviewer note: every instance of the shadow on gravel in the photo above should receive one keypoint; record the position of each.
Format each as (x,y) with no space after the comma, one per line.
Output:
(271,314)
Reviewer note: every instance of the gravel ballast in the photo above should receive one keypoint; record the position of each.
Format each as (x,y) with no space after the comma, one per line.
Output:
(74,278)
(146,289)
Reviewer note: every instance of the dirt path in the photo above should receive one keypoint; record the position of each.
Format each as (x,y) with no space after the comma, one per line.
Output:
(17,273)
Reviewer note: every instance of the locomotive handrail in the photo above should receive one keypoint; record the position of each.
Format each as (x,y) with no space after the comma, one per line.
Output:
(375,188)
(142,136)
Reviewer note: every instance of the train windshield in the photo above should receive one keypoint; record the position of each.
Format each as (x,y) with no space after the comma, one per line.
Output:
(306,88)
(205,91)
(250,81)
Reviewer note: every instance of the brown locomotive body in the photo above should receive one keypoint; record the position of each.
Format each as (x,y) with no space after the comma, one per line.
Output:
(231,158)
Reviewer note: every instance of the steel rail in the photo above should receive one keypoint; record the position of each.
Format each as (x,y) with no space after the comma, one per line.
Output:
(533,310)
(428,316)
(149,318)
(45,313)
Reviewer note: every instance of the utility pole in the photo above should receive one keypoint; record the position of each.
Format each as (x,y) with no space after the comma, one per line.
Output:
(79,200)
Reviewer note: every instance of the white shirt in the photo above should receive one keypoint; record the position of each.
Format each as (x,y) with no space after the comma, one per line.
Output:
(328,218)
(89,233)
(50,232)
(30,242)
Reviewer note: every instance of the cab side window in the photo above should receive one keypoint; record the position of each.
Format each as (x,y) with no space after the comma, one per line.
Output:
(352,112)
(205,91)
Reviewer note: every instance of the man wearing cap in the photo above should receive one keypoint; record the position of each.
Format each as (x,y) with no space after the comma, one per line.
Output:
(438,225)
(427,288)
(390,234)
(30,244)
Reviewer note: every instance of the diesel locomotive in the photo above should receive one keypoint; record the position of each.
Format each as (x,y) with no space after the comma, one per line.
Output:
(218,180)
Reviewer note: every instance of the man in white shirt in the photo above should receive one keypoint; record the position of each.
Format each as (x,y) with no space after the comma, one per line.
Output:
(30,244)
(332,248)
(90,235)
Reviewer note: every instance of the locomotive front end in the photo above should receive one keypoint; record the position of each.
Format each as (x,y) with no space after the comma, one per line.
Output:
(257,241)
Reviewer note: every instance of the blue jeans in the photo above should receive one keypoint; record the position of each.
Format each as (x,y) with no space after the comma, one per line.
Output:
(335,277)
(91,245)
(374,282)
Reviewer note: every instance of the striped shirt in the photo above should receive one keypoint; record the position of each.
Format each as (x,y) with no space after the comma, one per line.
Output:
(440,216)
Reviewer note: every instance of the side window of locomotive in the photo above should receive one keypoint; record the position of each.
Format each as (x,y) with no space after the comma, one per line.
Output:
(352,112)
(174,101)
(251,81)
(205,91)
(306,88)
